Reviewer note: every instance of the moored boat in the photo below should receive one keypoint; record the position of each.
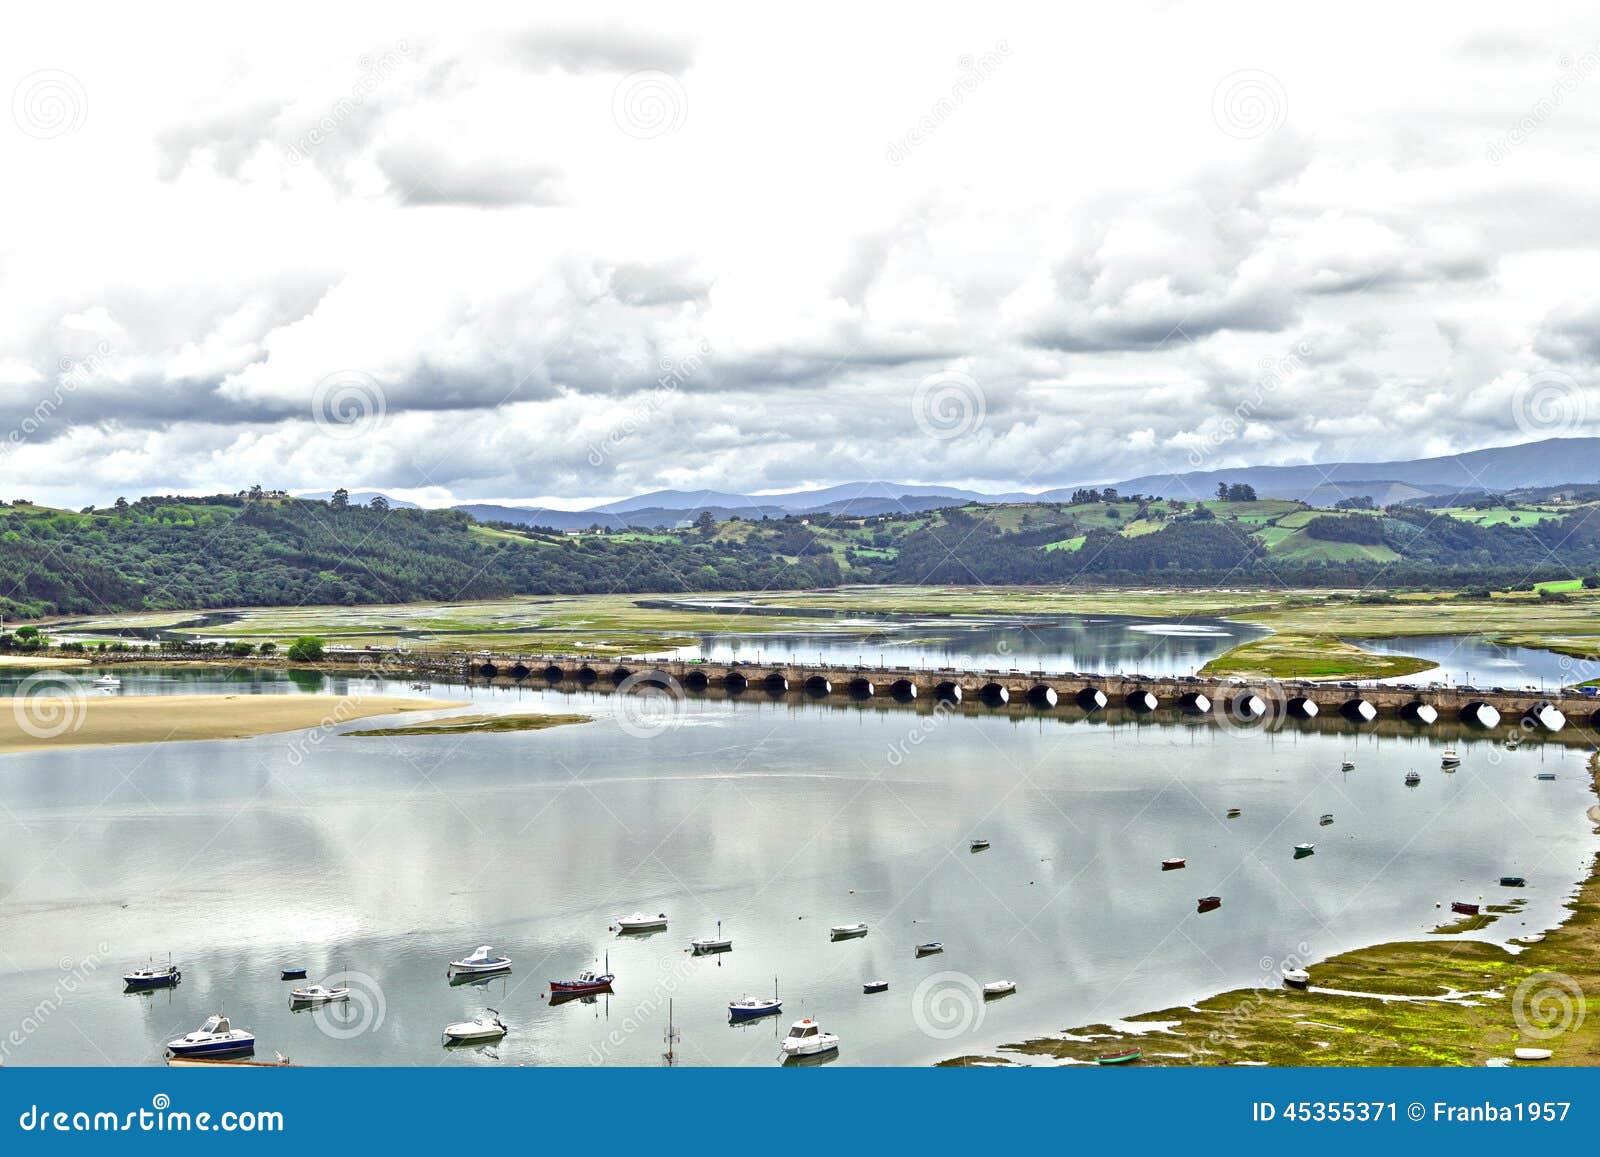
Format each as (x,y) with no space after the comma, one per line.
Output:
(1125,1057)
(1464,908)
(847,931)
(482,959)
(293,973)
(1303,850)
(1413,778)
(930,947)
(317,994)
(1545,775)
(486,1027)
(752,1007)
(108,681)
(1526,1054)
(153,976)
(1208,903)
(1234,813)
(585,982)
(639,922)
(977,845)
(875,986)
(1172,863)
(214,1038)
(1513,882)
(1325,819)
(715,943)
(806,1039)
(999,988)
(1296,977)
(1450,758)
(1348,765)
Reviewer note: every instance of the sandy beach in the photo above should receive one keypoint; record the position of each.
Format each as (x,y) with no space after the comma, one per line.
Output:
(40,661)
(38,723)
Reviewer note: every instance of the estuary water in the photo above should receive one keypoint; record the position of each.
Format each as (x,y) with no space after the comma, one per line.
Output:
(375,861)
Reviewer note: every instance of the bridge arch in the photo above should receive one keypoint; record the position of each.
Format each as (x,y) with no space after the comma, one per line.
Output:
(903,689)
(1419,712)
(735,681)
(1043,695)
(1358,709)
(1090,698)
(1142,701)
(1303,707)
(995,693)
(862,688)
(819,685)
(949,691)
(1480,714)
(554,674)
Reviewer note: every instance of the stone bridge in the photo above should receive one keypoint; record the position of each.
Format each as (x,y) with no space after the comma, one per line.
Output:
(1043,691)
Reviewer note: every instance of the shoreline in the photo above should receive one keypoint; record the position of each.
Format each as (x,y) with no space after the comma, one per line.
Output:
(53,723)
(1439,1002)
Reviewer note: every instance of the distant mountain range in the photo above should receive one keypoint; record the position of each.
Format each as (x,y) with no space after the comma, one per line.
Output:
(1552,462)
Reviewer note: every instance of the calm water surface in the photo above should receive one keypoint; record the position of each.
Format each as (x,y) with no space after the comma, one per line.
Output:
(384,858)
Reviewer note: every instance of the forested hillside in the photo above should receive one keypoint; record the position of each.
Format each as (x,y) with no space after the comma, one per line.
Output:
(186,553)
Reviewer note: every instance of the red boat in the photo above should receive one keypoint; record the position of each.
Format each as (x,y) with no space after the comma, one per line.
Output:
(1175,862)
(1464,908)
(1207,903)
(587,982)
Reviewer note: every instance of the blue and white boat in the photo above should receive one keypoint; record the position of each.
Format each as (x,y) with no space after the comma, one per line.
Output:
(214,1038)
(929,948)
(753,1007)
(483,959)
(153,976)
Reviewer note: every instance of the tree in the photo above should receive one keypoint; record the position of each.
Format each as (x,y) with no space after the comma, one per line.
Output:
(307,649)
(340,499)
(1591,582)
(379,503)
(256,492)
(1355,502)
(705,524)
(1222,492)
(120,504)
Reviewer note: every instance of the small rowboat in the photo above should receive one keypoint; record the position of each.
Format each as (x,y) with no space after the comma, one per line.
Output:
(1327,818)
(1234,813)
(1296,977)
(1512,882)
(875,986)
(977,845)
(1413,778)
(1348,765)
(715,943)
(294,973)
(1173,863)
(1532,1054)
(587,981)
(1545,775)
(847,931)
(1208,903)
(930,948)
(999,988)
(1126,1057)
(1464,908)
(1301,851)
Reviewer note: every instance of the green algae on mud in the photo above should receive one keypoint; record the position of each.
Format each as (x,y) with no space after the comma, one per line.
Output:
(1446,1001)
(468,724)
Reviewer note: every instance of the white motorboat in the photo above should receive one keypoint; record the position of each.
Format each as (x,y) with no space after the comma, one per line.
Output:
(489,1026)
(806,1039)
(1450,758)
(214,1038)
(483,959)
(108,681)
(999,988)
(1348,765)
(317,994)
(1413,778)
(1532,1054)
(1296,977)
(845,931)
(639,922)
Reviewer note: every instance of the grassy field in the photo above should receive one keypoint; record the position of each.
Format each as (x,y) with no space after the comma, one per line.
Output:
(1310,657)
(1547,995)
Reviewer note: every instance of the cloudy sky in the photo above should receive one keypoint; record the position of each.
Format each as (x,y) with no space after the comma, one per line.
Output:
(512,256)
